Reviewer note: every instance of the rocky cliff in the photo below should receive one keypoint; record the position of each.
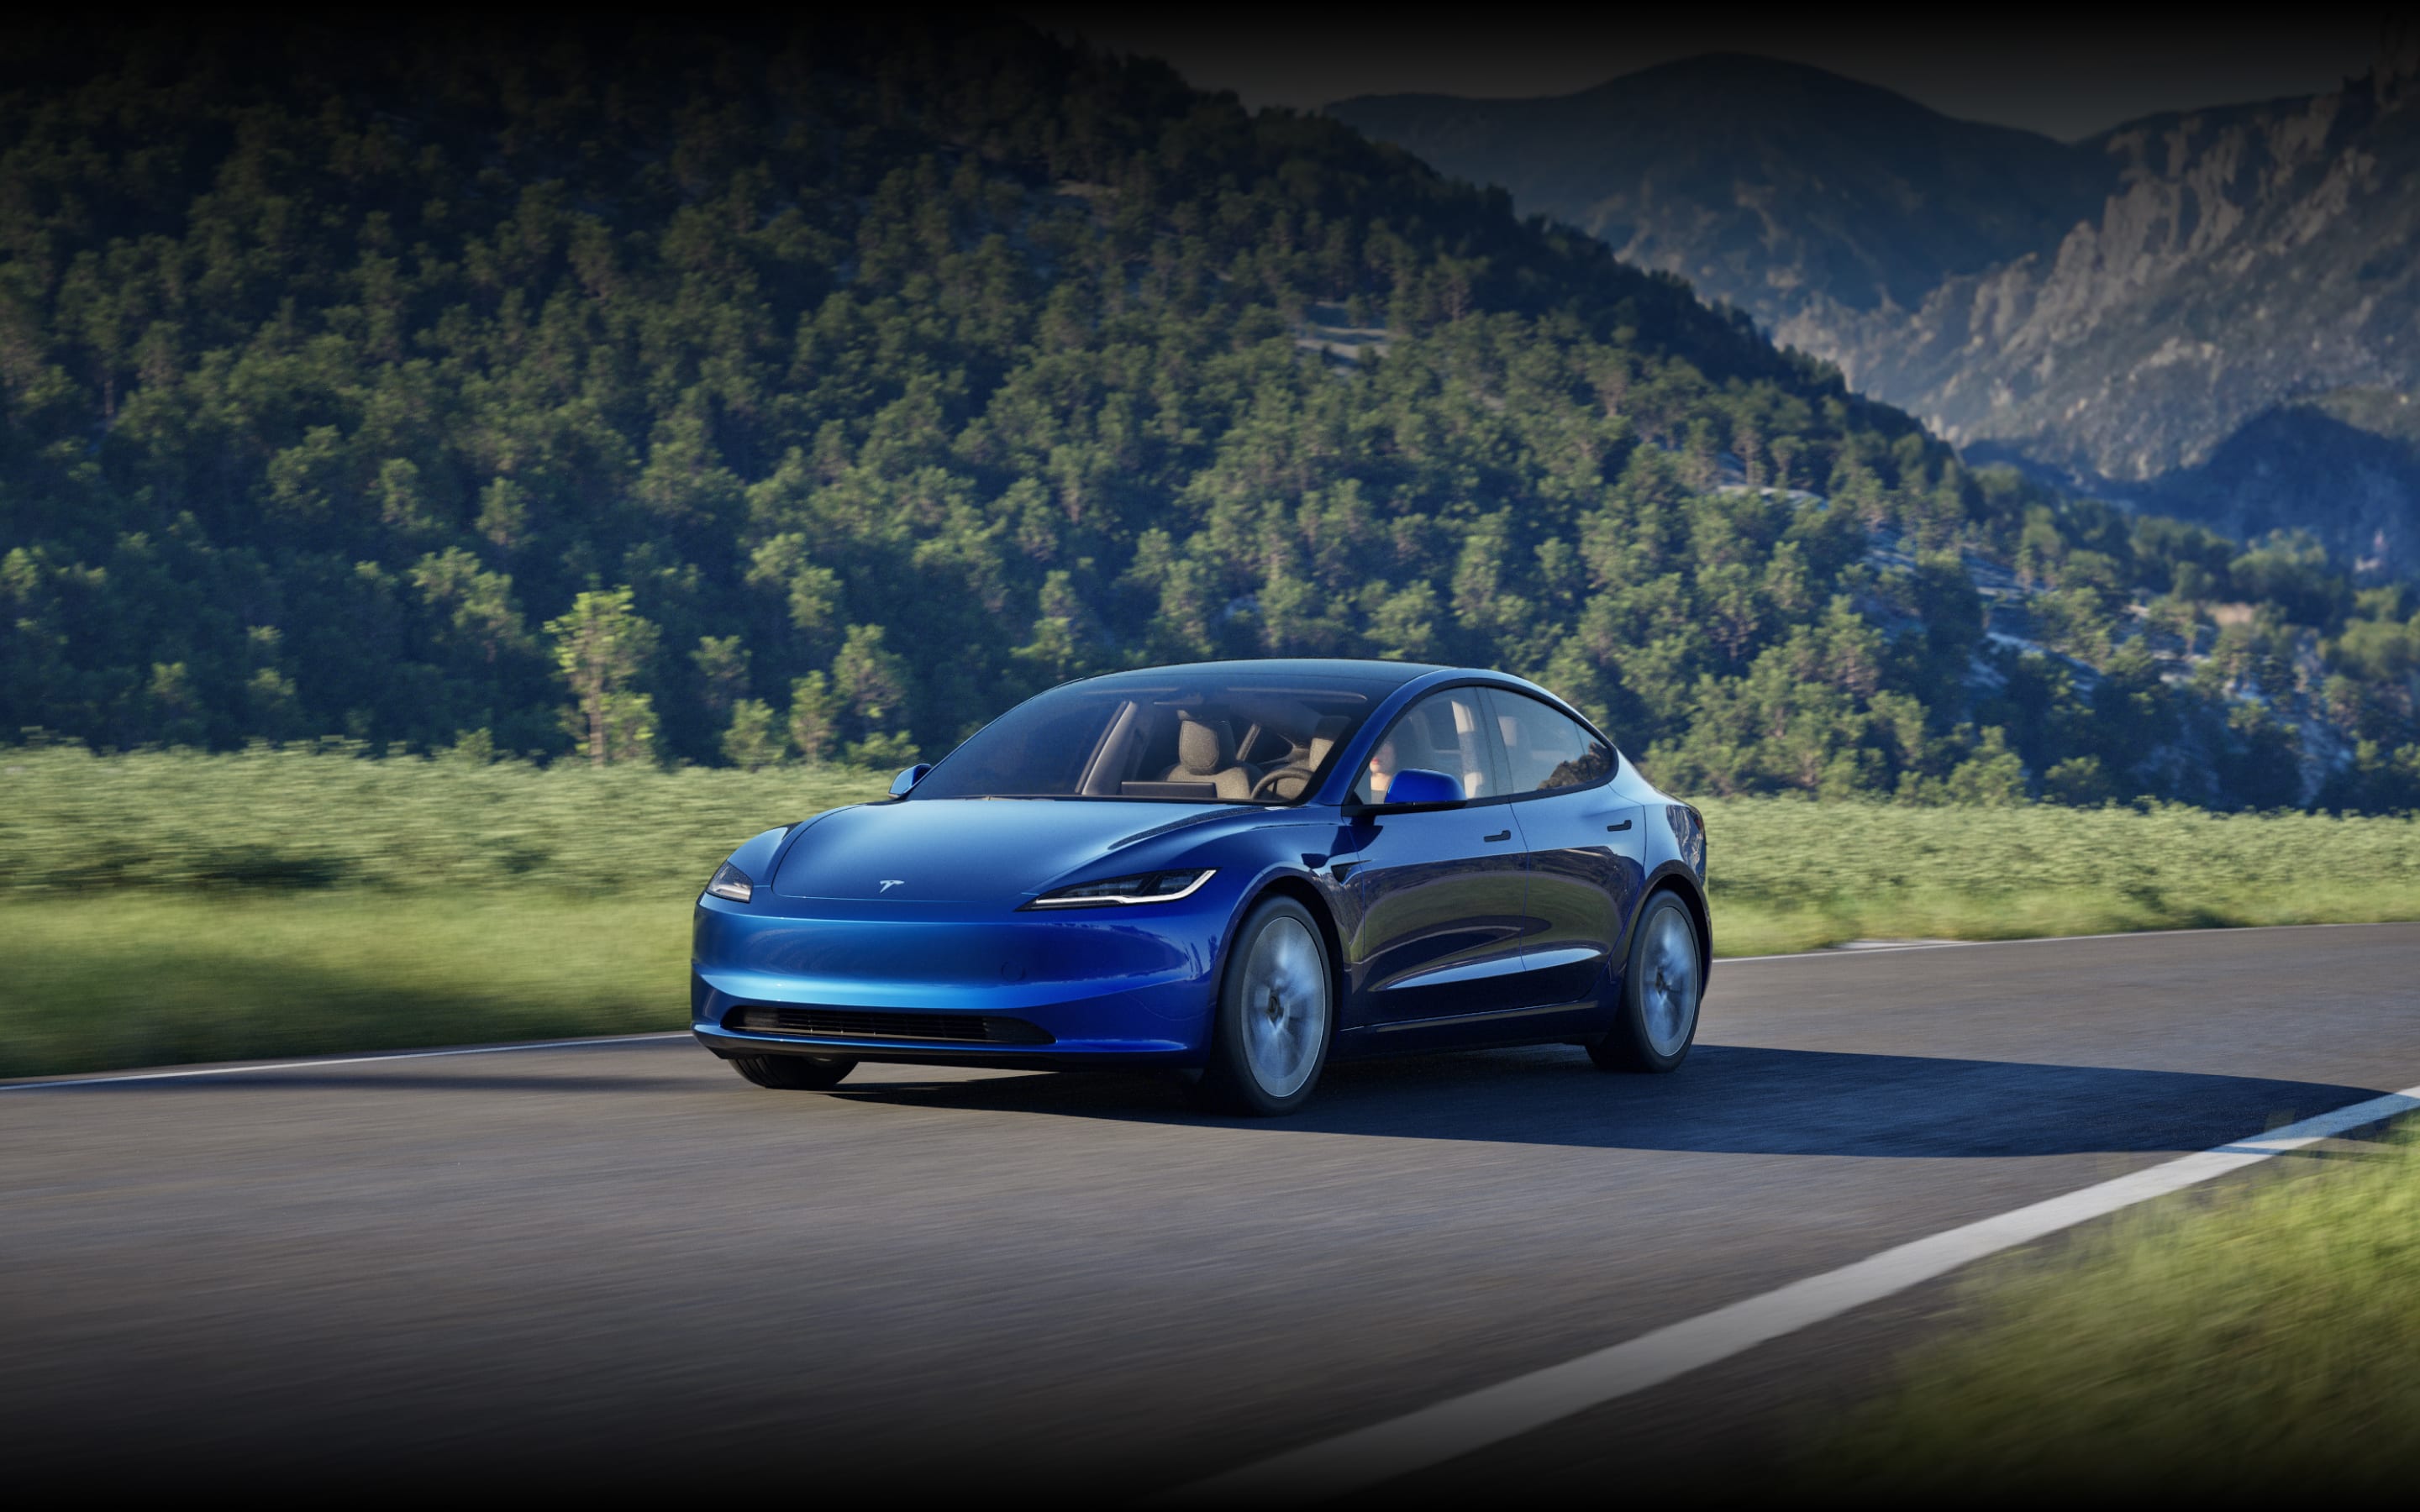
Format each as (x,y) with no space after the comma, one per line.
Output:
(2160,313)
(2245,258)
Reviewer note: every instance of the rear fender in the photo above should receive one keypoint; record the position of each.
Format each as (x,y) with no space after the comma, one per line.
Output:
(1675,877)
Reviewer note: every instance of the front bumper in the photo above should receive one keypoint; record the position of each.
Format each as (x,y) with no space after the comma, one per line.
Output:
(1098,986)
(1060,1057)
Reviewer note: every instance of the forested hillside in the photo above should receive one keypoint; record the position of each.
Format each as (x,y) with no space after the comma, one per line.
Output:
(717,398)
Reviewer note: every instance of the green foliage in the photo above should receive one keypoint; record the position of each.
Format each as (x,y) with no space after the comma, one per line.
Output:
(1775,852)
(157,977)
(753,742)
(2080,782)
(600,648)
(814,714)
(297,818)
(2292,571)
(909,367)
(1789,876)
(876,353)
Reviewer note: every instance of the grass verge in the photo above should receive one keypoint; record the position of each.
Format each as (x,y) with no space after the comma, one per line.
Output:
(2254,1341)
(1760,928)
(131,979)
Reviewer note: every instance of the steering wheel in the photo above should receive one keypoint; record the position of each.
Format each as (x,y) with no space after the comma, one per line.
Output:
(1303,772)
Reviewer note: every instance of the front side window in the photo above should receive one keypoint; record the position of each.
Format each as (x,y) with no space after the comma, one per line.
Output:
(1443,732)
(1546,749)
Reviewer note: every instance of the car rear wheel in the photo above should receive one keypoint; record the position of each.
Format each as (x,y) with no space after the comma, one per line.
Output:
(1660,992)
(793,1073)
(1276,1014)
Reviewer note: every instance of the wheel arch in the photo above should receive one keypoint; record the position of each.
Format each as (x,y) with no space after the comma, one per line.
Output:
(1301,889)
(1676,878)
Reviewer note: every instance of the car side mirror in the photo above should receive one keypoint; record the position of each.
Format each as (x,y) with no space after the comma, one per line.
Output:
(1417,787)
(908,779)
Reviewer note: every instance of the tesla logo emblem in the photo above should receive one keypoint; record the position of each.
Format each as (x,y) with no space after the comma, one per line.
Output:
(895,882)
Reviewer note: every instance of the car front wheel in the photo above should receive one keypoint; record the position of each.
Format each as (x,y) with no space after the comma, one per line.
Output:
(1276,1014)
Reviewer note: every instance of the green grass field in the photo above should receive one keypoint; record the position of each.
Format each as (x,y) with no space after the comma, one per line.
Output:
(2254,1342)
(162,907)
(1789,876)
(147,979)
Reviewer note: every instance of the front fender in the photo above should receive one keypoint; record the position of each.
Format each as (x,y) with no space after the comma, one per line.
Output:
(754,856)
(1289,857)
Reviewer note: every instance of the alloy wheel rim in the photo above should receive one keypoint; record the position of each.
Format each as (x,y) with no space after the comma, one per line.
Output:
(1285,1006)
(1667,988)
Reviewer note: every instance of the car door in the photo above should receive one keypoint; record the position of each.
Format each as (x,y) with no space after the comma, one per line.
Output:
(1438,893)
(1586,847)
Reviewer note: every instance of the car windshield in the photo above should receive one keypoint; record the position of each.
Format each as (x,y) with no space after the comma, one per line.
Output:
(1173,738)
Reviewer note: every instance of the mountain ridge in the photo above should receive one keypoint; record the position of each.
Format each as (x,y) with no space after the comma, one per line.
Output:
(2213,265)
(1657,120)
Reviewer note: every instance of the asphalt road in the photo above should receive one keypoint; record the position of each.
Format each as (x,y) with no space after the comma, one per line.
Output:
(621,1264)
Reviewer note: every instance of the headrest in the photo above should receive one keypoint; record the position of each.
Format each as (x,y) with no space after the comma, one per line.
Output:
(1204,750)
(1323,740)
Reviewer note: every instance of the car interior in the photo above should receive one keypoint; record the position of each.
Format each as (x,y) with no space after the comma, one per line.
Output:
(1238,749)
(1440,733)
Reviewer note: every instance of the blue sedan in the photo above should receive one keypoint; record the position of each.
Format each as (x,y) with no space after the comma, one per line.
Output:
(1237,871)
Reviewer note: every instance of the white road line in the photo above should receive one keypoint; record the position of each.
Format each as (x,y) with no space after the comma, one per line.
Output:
(1432,1435)
(347,1060)
(1835,953)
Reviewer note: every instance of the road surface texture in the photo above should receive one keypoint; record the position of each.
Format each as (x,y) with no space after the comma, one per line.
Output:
(621,1264)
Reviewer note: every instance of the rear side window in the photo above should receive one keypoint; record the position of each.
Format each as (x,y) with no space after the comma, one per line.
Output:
(1445,733)
(1546,749)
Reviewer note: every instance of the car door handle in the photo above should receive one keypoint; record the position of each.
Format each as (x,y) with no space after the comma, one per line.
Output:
(1501,834)
(1618,828)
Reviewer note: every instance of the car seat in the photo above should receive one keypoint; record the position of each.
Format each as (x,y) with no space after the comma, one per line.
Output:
(1205,752)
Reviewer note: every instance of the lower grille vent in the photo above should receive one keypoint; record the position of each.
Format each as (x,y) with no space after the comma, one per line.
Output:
(870,1024)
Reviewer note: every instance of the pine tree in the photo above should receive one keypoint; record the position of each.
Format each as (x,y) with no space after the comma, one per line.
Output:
(752,741)
(600,648)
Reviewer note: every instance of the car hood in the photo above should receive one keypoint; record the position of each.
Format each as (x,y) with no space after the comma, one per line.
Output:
(960,849)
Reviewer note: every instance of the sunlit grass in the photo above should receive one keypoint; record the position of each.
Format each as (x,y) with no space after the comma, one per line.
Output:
(140,980)
(1789,876)
(1755,928)
(298,819)
(2260,1342)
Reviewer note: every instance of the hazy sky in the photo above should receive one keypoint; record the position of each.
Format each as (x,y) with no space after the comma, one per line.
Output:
(2053,74)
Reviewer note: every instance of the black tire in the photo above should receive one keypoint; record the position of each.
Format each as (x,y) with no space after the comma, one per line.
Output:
(793,1073)
(1661,991)
(1265,1057)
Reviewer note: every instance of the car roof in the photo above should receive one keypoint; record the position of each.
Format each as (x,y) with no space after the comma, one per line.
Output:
(1375,677)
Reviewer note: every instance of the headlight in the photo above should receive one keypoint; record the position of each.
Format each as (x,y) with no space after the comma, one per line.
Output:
(1141,887)
(730,882)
